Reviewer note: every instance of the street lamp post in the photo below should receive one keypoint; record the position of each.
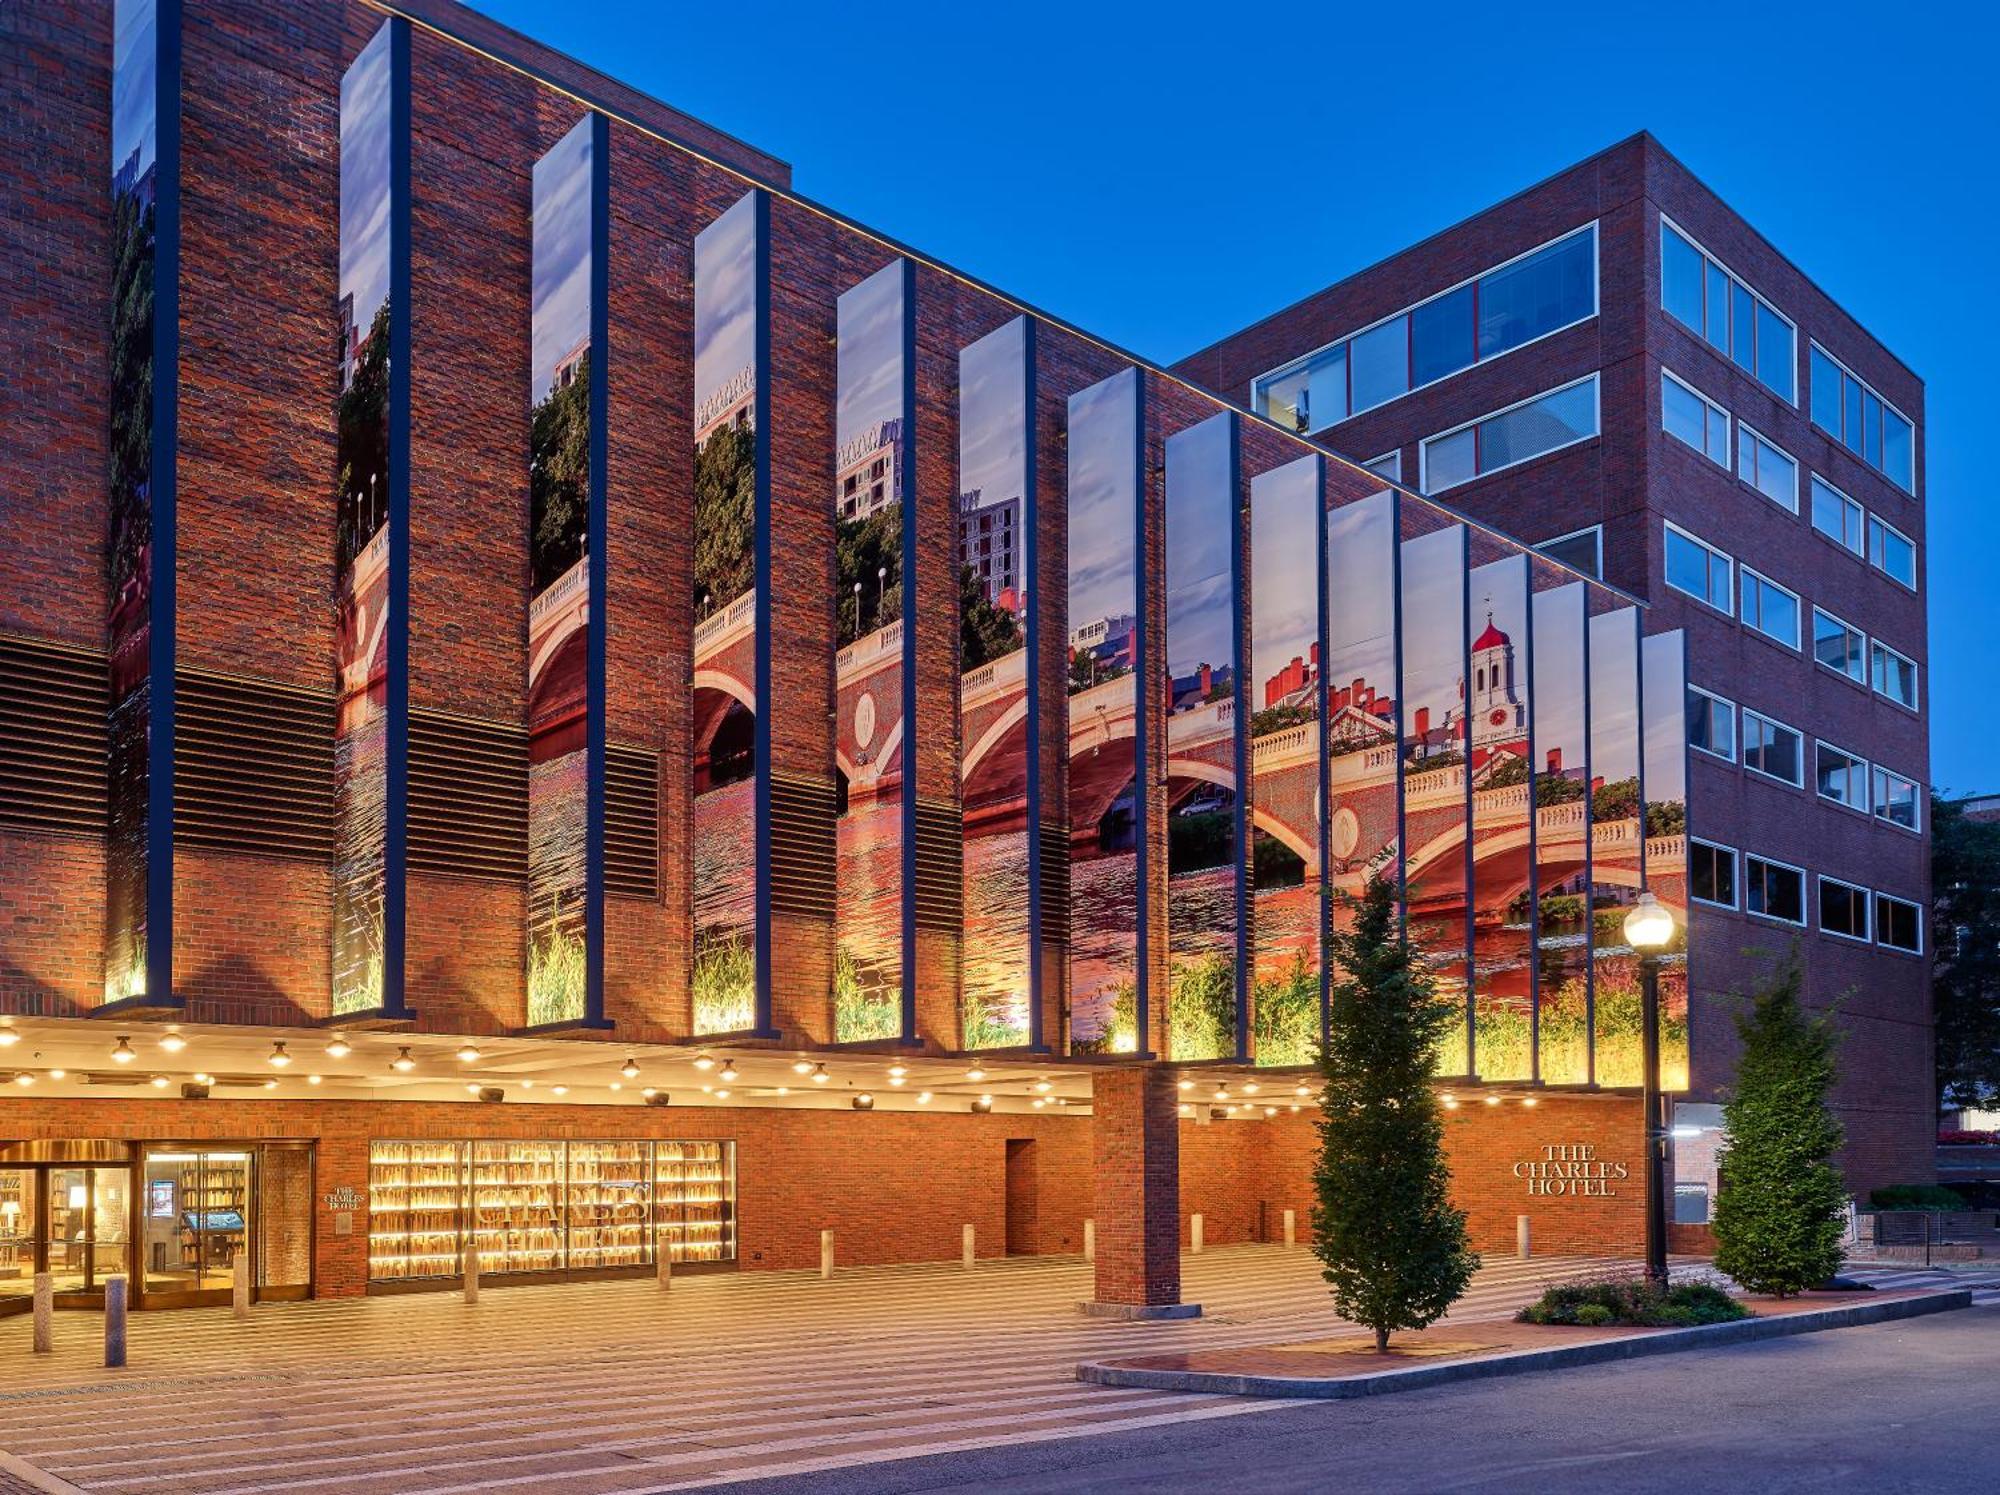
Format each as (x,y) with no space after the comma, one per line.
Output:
(1649,929)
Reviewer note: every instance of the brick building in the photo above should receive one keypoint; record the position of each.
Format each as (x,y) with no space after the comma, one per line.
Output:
(1614,366)
(450,799)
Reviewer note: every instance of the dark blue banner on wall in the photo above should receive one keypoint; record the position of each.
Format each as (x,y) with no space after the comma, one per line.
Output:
(729,335)
(371,560)
(1107,831)
(565,657)
(997,698)
(145,338)
(872,513)
(1205,746)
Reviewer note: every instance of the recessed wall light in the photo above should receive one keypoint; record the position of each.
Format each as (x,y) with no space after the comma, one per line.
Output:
(560,1089)
(158,1082)
(312,1079)
(24,1078)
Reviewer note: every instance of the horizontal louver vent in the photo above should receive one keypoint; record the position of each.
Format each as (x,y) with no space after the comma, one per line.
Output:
(52,736)
(1055,882)
(631,822)
(802,847)
(468,797)
(940,840)
(253,766)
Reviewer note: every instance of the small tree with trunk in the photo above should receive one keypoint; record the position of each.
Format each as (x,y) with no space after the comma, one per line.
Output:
(1393,1247)
(1780,1212)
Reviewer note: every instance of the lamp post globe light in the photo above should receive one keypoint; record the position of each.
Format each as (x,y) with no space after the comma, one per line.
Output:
(1649,929)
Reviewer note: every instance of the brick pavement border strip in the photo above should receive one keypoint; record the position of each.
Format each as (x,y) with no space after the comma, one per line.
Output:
(18,1475)
(1663,1342)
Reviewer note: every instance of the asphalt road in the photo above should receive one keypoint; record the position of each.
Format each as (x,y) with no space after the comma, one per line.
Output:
(1903,1406)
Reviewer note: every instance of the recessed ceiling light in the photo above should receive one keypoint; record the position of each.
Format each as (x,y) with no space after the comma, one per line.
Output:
(923,1097)
(173,1040)
(560,1089)
(898,1080)
(722,1095)
(121,1052)
(1043,1087)
(1492,1100)
(630,1069)
(649,1092)
(1527,1100)
(1187,1084)
(1249,1087)
(9,1035)
(158,1082)
(312,1079)
(897,1071)
(204,1079)
(802,1065)
(617,1084)
(278,1058)
(24,1078)
(468,1052)
(975,1074)
(270,1084)
(703,1062)
(402,1063)
(57,1074)
(338,1047)
(472,1087)
(527,1084)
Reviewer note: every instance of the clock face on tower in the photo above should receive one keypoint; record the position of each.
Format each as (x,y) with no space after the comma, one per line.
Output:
(1498,717)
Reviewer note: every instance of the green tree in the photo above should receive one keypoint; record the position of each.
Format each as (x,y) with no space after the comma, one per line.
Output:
(1965,980)
(1778,1216)
(1393,1248)
(985,632)
(559,485)
(725,517)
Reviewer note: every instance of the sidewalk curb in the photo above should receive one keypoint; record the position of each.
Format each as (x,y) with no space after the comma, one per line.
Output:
(1663,1342)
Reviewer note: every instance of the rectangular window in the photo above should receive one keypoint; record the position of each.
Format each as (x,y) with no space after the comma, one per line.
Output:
(1773,749)
(1711,873)
(1841,777)
(1892,552)
(1843,909)
(1893,675)
(1547,423)
(1853,414)
(1774,890)
(1767,468)
(1701,293)
(1769,608)
(1896,799)
(1835,515)
(1582,550)
(1541,292)
(1899,924)
(1700,570)
(1691,416)
(1711,724)
(1840,647)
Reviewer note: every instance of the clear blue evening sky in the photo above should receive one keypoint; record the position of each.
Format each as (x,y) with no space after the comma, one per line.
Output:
(1164,173)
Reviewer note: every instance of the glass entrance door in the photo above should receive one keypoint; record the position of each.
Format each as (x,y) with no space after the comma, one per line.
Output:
(20,1237)
(87,1211)
(195,1219)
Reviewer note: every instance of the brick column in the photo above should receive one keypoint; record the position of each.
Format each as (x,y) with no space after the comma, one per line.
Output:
(1136,1156)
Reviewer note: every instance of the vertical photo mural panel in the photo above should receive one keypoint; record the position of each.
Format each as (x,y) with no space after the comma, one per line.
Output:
(1204,739)
(1103,698)
(1364,779)
(728,303)
(145,162)
(871,495)
(1616,843)
(1562,834)
(365,597)
(1285,685)
(1435,744)
(1498,700)
(561,442)
(996,522)
(1663,673)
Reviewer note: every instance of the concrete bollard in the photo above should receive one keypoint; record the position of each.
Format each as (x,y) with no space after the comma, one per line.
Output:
(967,1249)
(471,1272)
(239,1286)
(1291,1227)
(666,1267)
(45,1313)
(114,1322)
(826,1253)
(1523,1238)
(1090,1240)
(1194,1235)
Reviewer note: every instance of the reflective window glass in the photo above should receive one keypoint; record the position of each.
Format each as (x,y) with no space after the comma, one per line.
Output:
(1379,364)
(1441,340)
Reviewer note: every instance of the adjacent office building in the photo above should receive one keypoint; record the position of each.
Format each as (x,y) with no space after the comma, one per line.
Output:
(474,774)
(1616,367)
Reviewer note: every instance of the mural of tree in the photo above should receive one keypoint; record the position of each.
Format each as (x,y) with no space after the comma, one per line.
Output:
(864,550)
(985,632)
(362,417)
(725,517)
(559,494)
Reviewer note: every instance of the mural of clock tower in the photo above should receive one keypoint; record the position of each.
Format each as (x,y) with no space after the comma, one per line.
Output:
(1499,717)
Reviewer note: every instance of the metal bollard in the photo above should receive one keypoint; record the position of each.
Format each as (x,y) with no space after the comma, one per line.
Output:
(826,1253)
(45,1313)
(1194,1235)
(1291,1227)
(471,1272)
(967,1248)
(666,1267)
(1090,1240)
(114,1322)
(239,1286)
(1523,1238)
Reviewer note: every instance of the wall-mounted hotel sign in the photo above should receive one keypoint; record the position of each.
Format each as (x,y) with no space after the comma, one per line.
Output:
(346,1197)
(1572,1169)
